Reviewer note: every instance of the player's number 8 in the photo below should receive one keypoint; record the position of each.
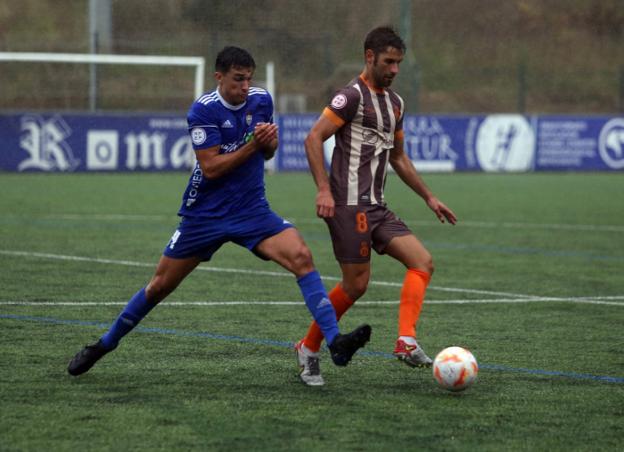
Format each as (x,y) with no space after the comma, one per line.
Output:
(361,223)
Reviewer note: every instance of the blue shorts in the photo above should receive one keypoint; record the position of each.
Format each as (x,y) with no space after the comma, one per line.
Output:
(202,237)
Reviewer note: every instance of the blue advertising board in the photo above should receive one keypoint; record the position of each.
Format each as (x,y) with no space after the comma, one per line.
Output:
(491,143)
(496,143)
(65,143)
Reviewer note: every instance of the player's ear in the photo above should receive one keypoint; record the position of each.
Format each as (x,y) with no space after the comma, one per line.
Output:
(218,76)
(369,55)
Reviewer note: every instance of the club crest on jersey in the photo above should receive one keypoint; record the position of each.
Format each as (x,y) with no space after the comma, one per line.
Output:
(198,135)
(339,101)
(248,118)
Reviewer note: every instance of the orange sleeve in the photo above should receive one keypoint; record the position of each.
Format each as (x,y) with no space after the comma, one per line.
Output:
(398,135)
(333,117)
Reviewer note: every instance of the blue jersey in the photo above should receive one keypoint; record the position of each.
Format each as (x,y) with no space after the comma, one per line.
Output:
(214,122)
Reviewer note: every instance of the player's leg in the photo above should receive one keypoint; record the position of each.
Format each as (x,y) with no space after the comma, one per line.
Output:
(288,249)
(351,239)
(307,349)
(195,240)
(353,285)
(412,253)
(168,275)
(350,230)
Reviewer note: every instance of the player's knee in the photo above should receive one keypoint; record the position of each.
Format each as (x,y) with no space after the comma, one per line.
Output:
(428,264)
(356,287)
(359,289)
(423,263)
(302,259)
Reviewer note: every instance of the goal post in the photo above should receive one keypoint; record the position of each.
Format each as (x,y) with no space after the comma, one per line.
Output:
(91,58)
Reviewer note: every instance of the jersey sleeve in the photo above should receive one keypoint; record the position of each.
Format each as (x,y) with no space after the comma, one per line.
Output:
(343,106)
(398,106)
(203,127)
(268,108)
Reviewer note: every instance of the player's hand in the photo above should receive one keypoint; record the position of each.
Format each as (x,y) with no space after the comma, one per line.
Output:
(265,134)
(325,203)
(441,211)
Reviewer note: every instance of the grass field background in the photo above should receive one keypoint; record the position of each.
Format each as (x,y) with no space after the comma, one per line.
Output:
(531,280)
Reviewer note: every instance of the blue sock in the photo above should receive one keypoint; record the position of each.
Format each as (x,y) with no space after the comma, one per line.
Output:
(318,304)
(133,313)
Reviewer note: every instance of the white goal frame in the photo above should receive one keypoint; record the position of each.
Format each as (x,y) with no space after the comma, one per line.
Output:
(91,58)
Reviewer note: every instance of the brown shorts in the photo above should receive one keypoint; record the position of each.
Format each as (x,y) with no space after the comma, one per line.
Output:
(354,229)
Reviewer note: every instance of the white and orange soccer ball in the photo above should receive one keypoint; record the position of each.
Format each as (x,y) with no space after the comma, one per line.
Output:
(455,369)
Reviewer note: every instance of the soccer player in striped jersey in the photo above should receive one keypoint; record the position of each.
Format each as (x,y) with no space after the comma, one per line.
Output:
(232,133)
(366,118)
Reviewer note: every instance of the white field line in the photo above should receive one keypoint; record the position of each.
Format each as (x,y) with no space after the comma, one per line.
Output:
(467,223)
(511,297)
(237,270)
(109,217)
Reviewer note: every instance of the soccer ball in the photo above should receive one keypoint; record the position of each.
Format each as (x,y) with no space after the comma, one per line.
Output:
(455,368)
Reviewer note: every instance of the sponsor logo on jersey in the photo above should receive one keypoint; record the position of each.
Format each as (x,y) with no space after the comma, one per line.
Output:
(339,101)
(370,136)
(198,135)
(248,137)
(193,191)
(227,124)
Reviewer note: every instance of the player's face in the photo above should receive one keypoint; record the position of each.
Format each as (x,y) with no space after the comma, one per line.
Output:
(234,84)
(384,66)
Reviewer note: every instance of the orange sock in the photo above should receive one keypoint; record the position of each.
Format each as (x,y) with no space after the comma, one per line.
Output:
(412,297)
(341,302)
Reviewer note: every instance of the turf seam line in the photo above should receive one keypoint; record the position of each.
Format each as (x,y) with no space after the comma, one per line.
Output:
(256,341)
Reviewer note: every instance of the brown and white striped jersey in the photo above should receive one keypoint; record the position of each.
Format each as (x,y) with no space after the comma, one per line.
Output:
(369,119)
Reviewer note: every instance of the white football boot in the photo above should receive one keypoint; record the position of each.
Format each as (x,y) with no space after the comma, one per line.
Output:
(309,367)
(412,354)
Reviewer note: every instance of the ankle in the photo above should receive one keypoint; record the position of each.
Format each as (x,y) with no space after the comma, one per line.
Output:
(409,340)
(306,351)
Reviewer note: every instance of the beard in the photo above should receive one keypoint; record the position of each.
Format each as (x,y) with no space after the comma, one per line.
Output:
(382,80)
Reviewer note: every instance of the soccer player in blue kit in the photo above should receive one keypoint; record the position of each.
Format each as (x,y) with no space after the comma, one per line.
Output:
(232,133)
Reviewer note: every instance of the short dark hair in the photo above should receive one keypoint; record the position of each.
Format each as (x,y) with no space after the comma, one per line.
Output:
(380,38)
(231,57)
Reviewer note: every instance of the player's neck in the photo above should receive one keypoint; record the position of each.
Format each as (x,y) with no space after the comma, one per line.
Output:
(370,83)
(227,103)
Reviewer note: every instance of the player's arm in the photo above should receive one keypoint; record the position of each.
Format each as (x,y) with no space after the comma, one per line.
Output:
(408,174)
(214,165)
(321,131)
